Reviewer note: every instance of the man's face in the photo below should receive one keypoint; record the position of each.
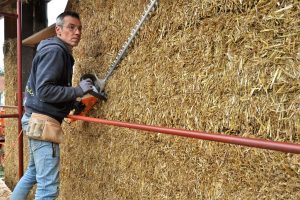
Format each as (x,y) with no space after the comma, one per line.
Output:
(70,31)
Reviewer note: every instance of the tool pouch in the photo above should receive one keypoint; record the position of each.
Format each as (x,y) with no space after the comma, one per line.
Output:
(43,127)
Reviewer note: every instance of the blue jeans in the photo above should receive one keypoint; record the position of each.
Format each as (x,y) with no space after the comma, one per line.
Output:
(43,169)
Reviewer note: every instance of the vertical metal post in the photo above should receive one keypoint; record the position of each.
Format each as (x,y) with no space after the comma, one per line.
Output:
(19,74)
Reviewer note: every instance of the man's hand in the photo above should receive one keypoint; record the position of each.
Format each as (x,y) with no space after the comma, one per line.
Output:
(86,85)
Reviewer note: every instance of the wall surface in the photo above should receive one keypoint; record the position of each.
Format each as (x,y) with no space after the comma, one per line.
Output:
(220,66)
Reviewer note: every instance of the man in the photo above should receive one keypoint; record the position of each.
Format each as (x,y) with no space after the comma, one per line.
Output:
(49,98)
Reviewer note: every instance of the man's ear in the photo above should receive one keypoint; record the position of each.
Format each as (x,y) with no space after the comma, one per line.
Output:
(58,30)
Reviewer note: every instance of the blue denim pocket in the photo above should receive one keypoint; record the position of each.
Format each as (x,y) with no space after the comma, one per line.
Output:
(35,144)
(25,121)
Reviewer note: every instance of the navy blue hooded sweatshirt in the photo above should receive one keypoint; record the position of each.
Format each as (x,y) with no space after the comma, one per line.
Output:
(48,90)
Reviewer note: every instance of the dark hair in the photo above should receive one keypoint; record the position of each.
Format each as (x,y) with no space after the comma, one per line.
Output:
(60,18)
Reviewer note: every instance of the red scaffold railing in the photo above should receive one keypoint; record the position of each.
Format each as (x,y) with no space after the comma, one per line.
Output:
(230,139)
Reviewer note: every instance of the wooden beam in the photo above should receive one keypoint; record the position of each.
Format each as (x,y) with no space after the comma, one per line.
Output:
(41,35)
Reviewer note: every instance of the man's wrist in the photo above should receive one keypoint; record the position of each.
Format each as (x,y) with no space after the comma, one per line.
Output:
(78,92)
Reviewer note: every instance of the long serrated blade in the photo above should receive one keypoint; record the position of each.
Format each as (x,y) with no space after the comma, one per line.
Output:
(149,9)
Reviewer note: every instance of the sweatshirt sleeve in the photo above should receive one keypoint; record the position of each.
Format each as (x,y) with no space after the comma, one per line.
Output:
(48,78)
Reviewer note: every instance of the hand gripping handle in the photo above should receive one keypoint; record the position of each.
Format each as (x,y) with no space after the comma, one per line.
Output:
(96,87)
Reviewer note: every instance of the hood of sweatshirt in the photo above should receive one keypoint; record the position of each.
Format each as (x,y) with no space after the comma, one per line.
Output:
(53,41)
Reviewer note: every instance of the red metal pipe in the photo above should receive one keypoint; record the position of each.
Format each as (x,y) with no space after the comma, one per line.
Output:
(9,115)
(13,15)
(250,142)
(20,98)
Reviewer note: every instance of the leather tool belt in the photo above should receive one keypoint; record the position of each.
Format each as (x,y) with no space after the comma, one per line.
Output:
(43,127)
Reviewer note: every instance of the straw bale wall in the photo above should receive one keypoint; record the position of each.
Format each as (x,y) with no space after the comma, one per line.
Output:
(11,124)
(221,66)
(10,68)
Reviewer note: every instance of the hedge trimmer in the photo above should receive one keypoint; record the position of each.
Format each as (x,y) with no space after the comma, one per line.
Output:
(99,84)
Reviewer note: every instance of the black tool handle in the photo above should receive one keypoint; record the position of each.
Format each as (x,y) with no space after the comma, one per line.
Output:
(99,95)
